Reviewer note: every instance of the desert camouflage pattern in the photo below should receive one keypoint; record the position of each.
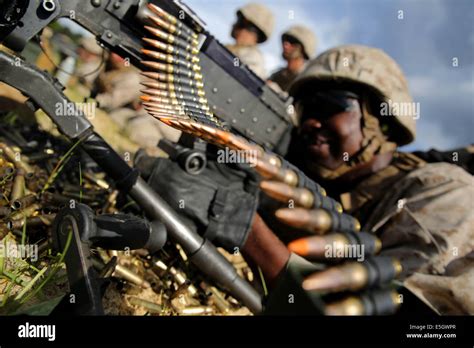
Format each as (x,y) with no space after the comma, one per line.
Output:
(307,38)
(250,56)
(423,214)
(260,16)
(121,91)
(283,78)
(368,67)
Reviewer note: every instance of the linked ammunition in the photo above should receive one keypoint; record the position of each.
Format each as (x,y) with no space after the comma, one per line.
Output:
(174,95)
(173,69)
(172,20)
(377,302)
(172,29)
(353,276)
(173,88)
(173,79)
(173,60)
(173,40)
(199,108)
(339,243)
(175,51)
(318,221)
(301,197)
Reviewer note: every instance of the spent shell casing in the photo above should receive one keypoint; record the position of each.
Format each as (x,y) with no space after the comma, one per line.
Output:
(5,211)
(34,221)
(196,310)
(23,202)
(26,212)
(125,273)
(172,29)
(173,40)
(15,158)
(173,20)
(98,181)
(18,189)
(175,51)
(150,306)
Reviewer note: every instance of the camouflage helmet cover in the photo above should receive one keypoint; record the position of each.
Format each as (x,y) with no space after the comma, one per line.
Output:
(260,16)
(305,36)
(369,68)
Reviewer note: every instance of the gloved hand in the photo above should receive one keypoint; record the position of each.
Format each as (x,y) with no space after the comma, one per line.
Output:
(219,203)
(347,278)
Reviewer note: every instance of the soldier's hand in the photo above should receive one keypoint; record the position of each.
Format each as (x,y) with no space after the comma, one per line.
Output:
(354,281)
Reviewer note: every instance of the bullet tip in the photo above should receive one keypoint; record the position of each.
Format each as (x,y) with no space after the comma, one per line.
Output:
(299,246)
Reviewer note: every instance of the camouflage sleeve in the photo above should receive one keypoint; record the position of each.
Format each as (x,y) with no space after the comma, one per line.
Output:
(432,231)
(123,91)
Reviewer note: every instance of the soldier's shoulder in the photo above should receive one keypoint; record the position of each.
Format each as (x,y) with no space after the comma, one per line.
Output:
(278,73)
(435,174)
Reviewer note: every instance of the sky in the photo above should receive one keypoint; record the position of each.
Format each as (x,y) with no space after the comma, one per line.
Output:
(427,38)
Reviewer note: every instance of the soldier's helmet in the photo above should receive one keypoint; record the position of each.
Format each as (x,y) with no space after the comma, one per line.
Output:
(305,37)
(261,17)
(365,70)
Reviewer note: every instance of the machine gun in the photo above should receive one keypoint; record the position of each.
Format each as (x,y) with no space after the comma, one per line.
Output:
(240,100)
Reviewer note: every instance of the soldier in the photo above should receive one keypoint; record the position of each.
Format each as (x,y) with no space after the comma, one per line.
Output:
(299,45)
(119,91)
(421,212)
(90,58)
(254,25)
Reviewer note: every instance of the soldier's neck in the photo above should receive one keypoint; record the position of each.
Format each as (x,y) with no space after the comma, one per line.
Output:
(295,65)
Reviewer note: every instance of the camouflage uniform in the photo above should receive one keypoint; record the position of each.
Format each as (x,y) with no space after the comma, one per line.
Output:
(262,18)
(120,91)
(250,56)
(422,212)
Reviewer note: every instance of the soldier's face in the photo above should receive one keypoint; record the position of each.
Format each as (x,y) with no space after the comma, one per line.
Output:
(291,50)
(329,140)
